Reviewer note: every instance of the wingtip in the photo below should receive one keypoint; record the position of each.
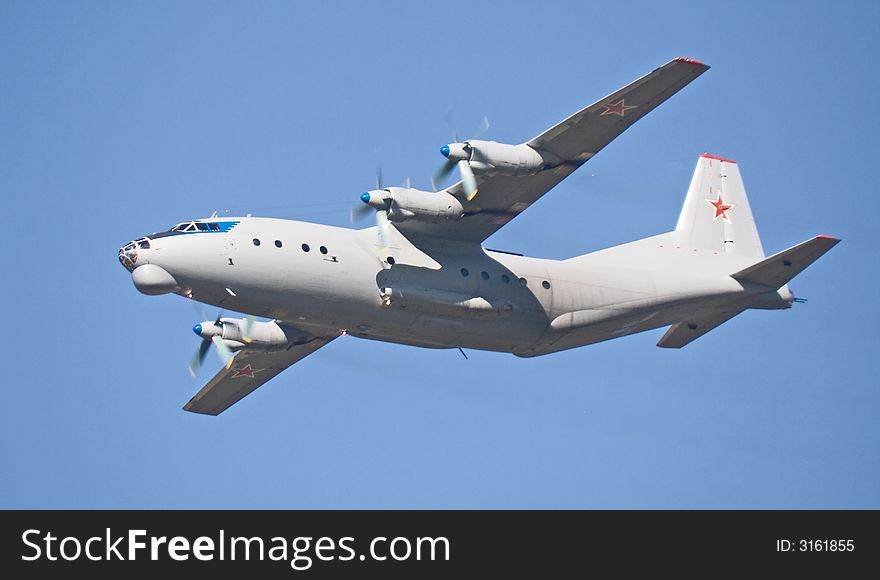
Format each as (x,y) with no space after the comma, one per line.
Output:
(191,408)
(829,238)
(691,61)
(717,158)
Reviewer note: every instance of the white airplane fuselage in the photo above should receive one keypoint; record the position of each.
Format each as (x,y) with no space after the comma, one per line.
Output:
(442,294)
(421,276)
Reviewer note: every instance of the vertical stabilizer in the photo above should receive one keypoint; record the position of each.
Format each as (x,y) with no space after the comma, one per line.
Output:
(716,213)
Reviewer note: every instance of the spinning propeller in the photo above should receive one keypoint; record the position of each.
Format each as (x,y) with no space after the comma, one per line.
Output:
(375,201)
(212,333)
(459,154)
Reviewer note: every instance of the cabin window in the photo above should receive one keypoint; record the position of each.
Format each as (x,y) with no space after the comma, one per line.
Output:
(277,243)
(256,241)
(484,275)
(523,282)
(390,260)
(505,278)
(464,272)
(323,250)
(545,284)
(305,247)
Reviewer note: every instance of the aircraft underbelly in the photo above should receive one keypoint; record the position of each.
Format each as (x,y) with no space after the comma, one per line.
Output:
(359,310)
(631,321)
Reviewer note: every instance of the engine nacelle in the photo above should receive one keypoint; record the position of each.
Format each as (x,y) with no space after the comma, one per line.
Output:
(500,158)
(403,203)
(262,336)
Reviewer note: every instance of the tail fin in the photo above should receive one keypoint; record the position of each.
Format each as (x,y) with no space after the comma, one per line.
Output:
(716,213)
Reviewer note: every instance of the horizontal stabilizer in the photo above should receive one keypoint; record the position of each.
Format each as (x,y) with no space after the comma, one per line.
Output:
(688,331)
(779,268)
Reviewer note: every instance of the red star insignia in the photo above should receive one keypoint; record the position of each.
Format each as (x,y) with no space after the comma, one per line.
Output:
(245,371)
(619,108)
(721,208)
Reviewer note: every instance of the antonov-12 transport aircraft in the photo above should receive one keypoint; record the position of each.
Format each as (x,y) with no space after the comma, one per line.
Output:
(421,276)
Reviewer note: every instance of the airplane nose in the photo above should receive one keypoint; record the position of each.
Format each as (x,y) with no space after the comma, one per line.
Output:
(128,256)
(132,251)
(198,329)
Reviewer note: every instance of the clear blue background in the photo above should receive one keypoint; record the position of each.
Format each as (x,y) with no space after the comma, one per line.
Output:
(119,118)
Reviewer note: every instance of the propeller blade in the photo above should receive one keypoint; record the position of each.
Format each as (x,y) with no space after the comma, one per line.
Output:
(203,350)
(444,171)
(484,126)
(199,309)
(379,177)
(468,181)
(451,126)
(359,212)
(382,226)
(246,329)
(199,358)
(223,350)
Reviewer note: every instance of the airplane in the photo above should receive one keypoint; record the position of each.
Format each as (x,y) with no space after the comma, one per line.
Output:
(421,276)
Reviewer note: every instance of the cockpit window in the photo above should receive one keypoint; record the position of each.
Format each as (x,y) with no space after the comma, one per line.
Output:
(200,226)
(144,244)
(184,227)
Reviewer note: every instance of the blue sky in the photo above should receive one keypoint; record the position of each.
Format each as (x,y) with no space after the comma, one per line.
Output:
(118,119)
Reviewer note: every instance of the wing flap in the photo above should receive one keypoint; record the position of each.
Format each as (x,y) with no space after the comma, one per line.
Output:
(248,371)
